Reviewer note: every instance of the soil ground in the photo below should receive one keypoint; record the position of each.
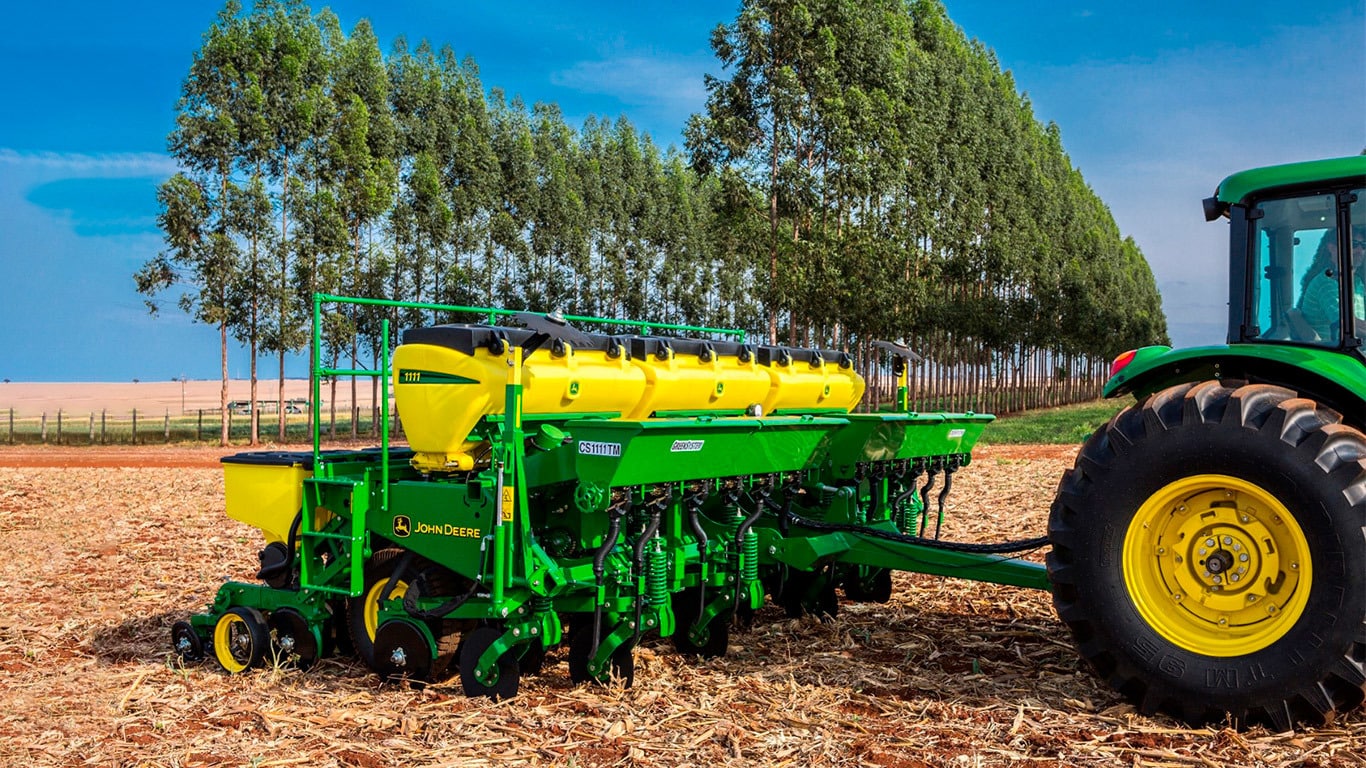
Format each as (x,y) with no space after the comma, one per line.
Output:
(103,549)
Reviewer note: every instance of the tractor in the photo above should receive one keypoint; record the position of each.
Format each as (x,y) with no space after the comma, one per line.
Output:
(1209,546)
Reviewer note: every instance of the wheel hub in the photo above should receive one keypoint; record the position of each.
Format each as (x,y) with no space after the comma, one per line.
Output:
(1217,565)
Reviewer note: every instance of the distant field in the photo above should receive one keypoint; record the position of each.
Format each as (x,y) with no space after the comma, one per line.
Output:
(1065,425)
(154,398)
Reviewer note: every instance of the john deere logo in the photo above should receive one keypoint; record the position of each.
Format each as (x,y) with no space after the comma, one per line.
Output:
(403,527)
(573,388)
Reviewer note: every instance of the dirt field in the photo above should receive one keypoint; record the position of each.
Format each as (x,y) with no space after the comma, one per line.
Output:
(103,550)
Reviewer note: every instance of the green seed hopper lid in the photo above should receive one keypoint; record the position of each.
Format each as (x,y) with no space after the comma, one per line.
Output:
(888,436)
(619,452)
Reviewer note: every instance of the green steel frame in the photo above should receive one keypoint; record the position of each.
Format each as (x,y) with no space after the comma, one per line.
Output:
(749,501)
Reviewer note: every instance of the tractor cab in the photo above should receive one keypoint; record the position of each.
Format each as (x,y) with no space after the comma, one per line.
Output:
(1298,254)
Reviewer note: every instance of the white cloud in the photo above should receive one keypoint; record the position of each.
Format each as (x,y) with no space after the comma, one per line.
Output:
(58,164)
(652,82)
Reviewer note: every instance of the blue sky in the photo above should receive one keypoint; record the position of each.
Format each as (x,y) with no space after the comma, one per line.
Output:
(1156,102)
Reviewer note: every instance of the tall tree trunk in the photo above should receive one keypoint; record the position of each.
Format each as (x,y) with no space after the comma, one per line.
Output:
(223,393)
(284,295)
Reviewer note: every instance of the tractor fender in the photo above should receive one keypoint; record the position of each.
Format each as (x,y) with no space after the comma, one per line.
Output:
(1330,377)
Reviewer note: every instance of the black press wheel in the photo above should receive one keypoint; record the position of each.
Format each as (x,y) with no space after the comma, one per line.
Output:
(476,681)
(185,642)
(687,606)
(868,585)
(533,658)
(401,651)
(240,639)
(292,642)
(622,664)
(806,592)
(1209,558)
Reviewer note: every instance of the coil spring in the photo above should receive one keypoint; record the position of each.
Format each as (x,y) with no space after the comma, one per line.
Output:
(657,581)
(733,556)
(750,563)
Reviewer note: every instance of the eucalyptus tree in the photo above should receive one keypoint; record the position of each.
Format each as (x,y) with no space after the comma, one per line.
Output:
(362,147)
(291,73)
(421,217)
(194,216)
(756,121)
(471,174)
(508,249)
(558,231)
(199,255)
(249,215)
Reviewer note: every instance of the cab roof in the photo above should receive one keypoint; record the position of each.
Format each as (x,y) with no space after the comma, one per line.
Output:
(1237,187)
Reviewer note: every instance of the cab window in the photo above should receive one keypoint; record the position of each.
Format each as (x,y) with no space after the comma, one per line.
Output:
(1296,271)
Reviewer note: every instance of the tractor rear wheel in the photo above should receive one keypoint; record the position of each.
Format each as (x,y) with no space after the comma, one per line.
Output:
(1209,557)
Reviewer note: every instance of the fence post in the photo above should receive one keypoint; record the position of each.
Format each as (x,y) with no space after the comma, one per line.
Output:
(102,415)
(59,426)
(199,427)
(168,425)
(135,426)
(92,427)
(44,427)
(11,426)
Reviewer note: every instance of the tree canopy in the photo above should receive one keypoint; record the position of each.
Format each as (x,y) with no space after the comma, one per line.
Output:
(862,170)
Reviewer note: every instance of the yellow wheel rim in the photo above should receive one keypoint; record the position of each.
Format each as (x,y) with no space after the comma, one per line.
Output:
(232,643)
(372,603)
(1217,566)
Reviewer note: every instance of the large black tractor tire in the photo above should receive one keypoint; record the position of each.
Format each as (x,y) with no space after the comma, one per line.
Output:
(1209,556)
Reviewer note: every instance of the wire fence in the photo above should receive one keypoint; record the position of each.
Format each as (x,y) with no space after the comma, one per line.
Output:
(147,426)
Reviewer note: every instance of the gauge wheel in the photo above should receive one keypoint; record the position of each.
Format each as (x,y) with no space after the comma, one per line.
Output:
(362,611)
(473,679)
(292,640)
(688,608)
(1209,557)
(622,665)
(240,639)
(186,643)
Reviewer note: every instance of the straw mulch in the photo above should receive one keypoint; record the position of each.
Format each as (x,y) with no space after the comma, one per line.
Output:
(99,562)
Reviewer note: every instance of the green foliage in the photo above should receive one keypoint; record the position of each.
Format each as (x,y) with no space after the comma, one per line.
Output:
(862,171)
(908,189)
